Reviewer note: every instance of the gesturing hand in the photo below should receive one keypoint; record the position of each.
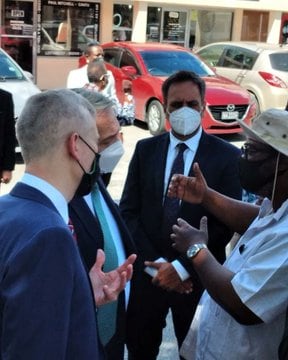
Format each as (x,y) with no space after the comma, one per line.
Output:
(107,286)
(190,189)
(185,235)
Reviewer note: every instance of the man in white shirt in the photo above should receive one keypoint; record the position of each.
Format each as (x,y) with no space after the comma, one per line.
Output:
(242,313)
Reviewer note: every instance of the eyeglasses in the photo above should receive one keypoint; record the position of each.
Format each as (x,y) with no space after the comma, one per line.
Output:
(103,77)
(249,150)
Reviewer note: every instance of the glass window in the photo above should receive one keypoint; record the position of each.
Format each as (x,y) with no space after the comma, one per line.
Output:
(279,61)
(8,70)
(212,55)
(128,60)
(65,28)
(213,26)
(122,22)
(112,56)
(165,63)
(153,24)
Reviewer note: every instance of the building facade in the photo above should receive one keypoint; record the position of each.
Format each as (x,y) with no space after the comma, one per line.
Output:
(46,37)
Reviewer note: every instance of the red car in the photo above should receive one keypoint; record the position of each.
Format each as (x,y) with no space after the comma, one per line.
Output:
(147,65)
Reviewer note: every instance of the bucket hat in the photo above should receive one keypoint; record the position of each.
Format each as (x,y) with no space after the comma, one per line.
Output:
(270,127)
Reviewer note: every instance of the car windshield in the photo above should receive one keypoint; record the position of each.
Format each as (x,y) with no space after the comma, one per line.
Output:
(165,63)
(279,61)
(8,70)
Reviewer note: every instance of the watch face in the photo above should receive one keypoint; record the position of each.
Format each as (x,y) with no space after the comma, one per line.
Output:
(194,249)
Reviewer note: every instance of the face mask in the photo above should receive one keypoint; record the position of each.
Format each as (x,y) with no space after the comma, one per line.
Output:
(255,180)
(89,178)
(111,156)
(185,120)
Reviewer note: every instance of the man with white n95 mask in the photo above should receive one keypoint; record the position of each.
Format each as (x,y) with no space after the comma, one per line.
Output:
(98,224)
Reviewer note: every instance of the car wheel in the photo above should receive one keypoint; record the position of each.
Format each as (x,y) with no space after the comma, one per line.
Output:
(257,111)
(155,118)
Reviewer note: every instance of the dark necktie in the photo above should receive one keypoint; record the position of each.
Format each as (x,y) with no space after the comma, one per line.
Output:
(171,206)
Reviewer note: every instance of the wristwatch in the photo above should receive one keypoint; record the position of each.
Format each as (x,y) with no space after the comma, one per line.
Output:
(193,250)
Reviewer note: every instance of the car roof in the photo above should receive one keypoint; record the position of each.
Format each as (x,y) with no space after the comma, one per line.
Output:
(253,45)
(145,46)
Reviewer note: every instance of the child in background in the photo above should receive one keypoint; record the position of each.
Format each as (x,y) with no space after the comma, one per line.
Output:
(128,107)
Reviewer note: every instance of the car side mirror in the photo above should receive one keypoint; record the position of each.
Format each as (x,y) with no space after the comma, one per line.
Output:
(129,71)
(29,75)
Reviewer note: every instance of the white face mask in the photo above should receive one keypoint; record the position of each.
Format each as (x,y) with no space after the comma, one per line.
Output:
(110,157)
(185,121)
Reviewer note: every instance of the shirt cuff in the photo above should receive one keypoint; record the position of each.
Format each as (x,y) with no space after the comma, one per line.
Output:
(181,271)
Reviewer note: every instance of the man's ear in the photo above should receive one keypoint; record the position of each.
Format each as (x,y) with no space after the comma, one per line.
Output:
(73,145)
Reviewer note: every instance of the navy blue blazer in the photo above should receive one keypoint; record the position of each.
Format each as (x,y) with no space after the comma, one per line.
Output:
(141,204)
(47,308)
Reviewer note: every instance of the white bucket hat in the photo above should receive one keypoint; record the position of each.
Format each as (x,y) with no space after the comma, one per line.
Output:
(270,127)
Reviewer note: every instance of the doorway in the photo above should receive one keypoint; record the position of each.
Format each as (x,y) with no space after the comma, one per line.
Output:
(17,32)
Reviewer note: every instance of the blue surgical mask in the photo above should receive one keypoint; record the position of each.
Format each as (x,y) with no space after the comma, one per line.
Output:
(185,121)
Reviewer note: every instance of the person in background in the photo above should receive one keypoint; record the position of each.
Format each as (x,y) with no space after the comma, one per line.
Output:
(246,298)
(48,307)
(166,279)
(7,137)
(78,78)
(83,59)
(98,80)
(85,214)
(127,115)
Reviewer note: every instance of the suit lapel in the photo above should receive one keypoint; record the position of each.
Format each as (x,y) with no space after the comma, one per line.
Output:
(91,223)
(159,164)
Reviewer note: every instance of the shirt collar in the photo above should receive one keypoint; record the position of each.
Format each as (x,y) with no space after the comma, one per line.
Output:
(50,191)
(192,143)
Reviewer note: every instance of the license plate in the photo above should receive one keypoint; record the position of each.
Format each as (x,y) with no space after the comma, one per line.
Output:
(230,115)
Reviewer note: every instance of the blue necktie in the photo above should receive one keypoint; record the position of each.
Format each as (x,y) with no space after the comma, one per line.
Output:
(171,206)
(106,314)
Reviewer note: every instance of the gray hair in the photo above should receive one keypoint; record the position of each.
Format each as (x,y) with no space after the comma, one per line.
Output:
(96,99)
(49,118)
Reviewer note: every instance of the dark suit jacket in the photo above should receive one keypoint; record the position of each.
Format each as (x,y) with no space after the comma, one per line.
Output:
(90,239)
(47,310)
(88,229)
(7,131)
(142,199)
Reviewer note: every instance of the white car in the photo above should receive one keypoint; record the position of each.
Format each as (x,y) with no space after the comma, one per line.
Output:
(260,68)
(17,81)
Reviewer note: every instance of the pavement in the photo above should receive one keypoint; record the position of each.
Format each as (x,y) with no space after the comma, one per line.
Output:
(131,135)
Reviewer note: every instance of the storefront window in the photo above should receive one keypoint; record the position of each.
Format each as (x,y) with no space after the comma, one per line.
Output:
(122,22)
(16,32)
(66,27)
(153,24)
(212,26)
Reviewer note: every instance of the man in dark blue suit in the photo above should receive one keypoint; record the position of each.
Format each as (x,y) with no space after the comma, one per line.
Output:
(166,281)
(47,304)
(7,137)
(90,235)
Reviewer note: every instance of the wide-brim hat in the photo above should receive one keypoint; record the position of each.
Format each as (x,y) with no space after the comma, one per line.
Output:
(270,127)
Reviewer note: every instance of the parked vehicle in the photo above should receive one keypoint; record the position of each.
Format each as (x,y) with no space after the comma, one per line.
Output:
(260,68)
(17,81)
(148,65)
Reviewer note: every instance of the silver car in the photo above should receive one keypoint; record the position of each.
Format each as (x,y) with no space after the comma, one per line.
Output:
(260,68)
(18,82)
